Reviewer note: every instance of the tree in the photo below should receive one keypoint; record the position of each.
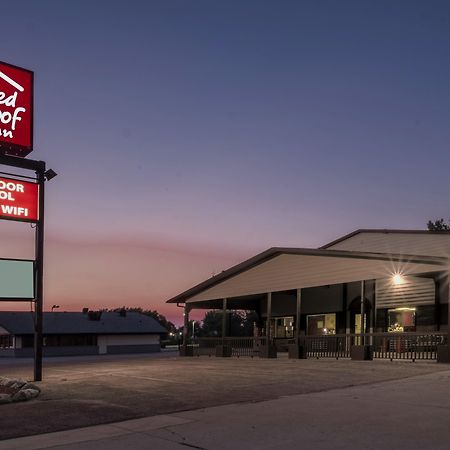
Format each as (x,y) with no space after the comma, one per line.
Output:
(211,325)
(438,225)
(240,323)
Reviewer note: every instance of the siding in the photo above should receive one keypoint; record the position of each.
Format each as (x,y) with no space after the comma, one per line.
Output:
(106,341)
(72,350)
(287,272)
(413,292)
(400,243)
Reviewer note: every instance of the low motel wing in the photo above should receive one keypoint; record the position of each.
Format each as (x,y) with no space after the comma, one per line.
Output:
(372,293)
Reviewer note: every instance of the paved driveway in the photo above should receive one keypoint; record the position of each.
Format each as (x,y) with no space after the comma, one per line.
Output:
(85,391)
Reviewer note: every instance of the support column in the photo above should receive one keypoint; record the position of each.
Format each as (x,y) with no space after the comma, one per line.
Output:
(298,350)
(362,351)
(437,302)
(345,302)
(268,350)
(224,350)
(224,320)
(346,311)
(362,327)
(443,351)
(185,350)
(373,317)
(347,322)
(298,311)
(269,315)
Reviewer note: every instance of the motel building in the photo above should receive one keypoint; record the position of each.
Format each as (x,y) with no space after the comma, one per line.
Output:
(369,294)
(80,333)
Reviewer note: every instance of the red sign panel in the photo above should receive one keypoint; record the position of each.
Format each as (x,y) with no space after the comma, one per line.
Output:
(16,110)
(19,200)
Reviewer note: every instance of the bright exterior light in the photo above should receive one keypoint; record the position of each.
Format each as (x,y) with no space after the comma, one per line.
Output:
(398,279)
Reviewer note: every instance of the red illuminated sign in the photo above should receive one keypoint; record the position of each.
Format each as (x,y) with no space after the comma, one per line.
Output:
(19,200)
(16,110)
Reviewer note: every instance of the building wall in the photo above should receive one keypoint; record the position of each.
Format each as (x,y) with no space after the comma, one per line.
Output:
(413,291)
(146,343)
(419,292)
(344,300)
(73,350)
(287,272)
(107,344)
(431,244)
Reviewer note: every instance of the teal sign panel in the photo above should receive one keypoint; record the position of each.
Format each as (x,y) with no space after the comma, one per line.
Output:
(16,279)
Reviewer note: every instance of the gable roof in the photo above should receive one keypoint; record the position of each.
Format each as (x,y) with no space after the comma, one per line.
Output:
(381,230)
(79,323)
(277,251)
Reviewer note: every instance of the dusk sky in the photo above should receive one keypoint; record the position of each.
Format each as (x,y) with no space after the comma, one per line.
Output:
(190,135)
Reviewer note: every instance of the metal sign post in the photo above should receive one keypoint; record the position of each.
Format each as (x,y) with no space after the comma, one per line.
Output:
(39,256)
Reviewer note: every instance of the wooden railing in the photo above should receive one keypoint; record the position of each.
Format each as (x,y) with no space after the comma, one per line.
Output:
(408,346)
(240,346)
(412,346)
(328,346)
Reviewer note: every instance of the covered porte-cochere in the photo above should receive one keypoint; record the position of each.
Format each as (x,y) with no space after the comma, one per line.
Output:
(328,303)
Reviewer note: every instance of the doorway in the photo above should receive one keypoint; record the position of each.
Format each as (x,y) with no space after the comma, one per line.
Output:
(355,316)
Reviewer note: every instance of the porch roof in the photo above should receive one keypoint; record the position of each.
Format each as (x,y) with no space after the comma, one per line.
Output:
(280,269)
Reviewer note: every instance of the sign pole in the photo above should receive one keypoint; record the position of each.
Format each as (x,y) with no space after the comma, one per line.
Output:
(39,276)
(16,142)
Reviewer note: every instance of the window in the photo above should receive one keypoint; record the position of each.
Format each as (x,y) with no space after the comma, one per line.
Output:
(401,319)
(284,327)
(6,341)
(320,324)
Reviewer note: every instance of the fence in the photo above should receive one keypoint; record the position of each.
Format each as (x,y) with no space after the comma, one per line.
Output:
(240,346)
(410,346)
(407,345)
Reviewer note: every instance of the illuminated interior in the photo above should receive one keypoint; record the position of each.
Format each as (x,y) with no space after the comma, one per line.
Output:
(401,319)
(321,324)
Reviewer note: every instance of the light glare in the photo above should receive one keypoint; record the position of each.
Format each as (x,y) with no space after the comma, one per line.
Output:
(398,279)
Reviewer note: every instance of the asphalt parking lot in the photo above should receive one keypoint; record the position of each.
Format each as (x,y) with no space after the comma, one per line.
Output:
(78,392)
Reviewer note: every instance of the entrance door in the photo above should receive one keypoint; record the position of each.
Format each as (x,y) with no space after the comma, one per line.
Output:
(357,320)
(355,315)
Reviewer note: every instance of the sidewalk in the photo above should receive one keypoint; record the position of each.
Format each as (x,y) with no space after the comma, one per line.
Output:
(412,413)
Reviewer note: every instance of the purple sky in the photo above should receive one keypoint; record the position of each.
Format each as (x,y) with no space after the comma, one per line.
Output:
(189,135)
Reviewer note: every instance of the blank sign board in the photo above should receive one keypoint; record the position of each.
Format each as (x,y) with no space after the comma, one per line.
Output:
(16,279)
